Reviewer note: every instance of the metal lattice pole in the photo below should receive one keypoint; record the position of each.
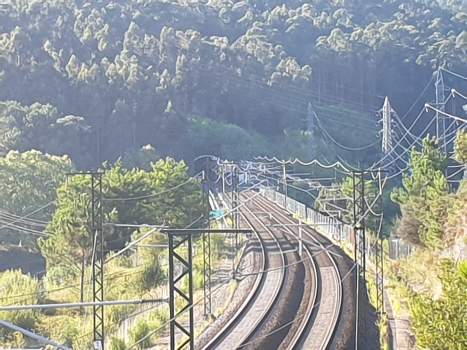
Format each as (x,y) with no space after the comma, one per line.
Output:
(179,256)
(207,273)
(360,259)
(234,206)
(379,262)
(284,179)
(176,241)
(207,270)
(98,257)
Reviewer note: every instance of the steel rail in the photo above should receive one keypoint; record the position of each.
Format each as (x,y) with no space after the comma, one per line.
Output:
(273,302)
(306,311)
(249,299)
(306,339)
(301,312)
(234,332)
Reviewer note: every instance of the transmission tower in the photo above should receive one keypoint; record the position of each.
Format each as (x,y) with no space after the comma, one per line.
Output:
(440,102)
(387,133)
(311,128)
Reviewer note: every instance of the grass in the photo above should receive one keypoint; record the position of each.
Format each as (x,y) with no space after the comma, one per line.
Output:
(417,273)
(123,280)
(417,270)
(383,326)
(382,323)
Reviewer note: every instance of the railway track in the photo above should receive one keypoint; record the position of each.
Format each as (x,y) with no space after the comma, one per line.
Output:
(275,331)
(320,325)
(296,301)
(259,301)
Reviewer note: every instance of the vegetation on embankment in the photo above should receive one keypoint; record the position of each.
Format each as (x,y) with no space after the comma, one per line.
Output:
(432,282)
(163,194)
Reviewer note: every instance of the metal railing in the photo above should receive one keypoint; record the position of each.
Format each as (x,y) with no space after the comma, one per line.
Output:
(399,249)
(330,226)
(327,225)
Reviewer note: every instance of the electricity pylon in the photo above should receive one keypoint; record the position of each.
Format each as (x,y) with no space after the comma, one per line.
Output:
(440,102)
(386,145)
(311,115)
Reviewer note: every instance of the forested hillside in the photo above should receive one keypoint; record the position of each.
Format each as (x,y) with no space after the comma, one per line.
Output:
(98,79)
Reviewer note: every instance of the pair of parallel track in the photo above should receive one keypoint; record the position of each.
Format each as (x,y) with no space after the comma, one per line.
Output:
(295,302)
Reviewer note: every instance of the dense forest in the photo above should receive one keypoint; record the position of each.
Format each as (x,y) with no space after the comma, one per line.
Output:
(100,79)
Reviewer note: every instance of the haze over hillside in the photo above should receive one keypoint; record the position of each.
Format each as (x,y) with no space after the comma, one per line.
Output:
(99,79)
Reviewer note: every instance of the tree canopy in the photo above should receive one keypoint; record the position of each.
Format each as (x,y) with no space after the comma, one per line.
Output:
(98,79)
(423,197)
(164,195)
(28,182)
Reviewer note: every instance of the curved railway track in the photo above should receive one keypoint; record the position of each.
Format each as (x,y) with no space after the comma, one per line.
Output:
(260,300)
(275,330)
(296,301)
(321,324)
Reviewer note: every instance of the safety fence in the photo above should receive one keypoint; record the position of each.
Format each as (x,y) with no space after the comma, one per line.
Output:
(328,225)
(399,249)
(141,313)
(332,227)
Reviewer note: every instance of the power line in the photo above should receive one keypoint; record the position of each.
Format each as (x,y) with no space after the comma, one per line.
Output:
(80,304)
(462,169)
(33,335)
(419,97)
(408,132)
(455,74)
(455,92)
(31,222)
(340,145)
(22,229)
(174,318)
(446,114)
(295,88)
(31,213)
(299,93)
(298,161)
(295,319)
(399,144)
(77,285)
(278,96)
(108,199)
(112,276)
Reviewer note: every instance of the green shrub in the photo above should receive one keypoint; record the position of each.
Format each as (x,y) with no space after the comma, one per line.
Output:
(138,332)
(198,280)
(117,344)
(19,289)
(439,322)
